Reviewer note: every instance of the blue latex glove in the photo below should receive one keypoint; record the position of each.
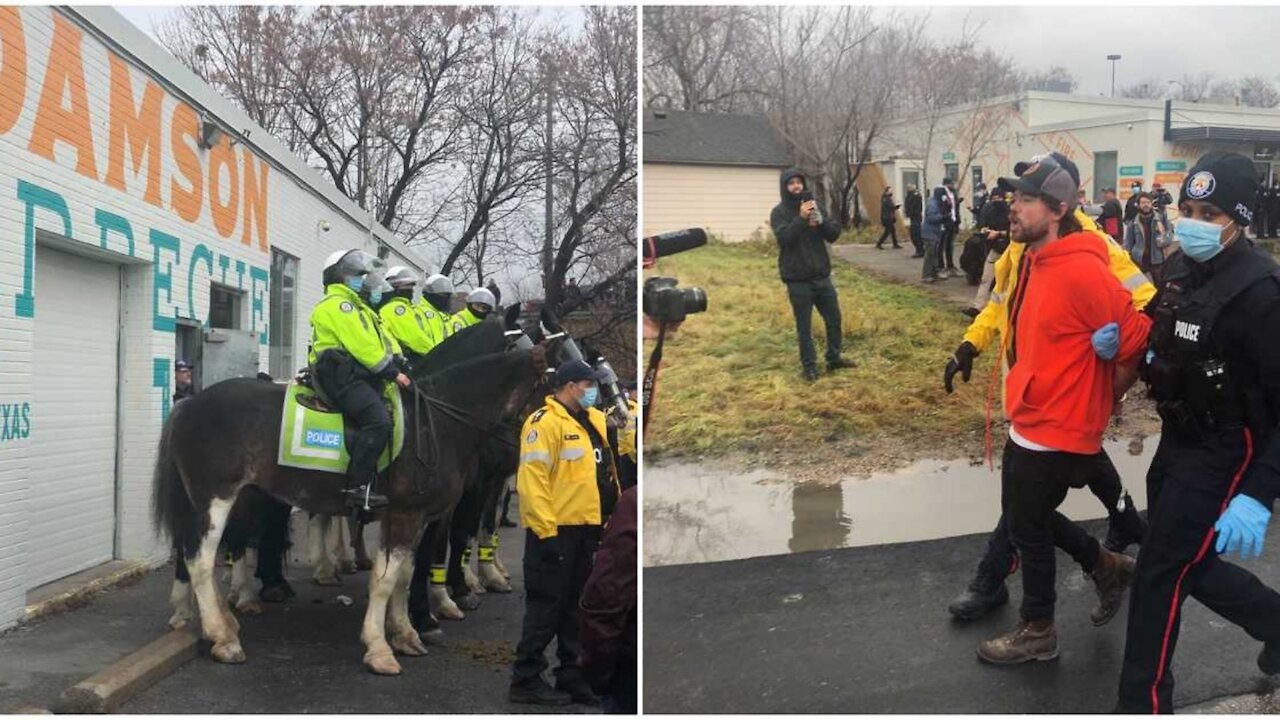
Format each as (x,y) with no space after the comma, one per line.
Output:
(1243,527)
(1106,341)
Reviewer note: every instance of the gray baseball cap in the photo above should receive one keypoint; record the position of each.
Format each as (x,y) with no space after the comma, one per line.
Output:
(1045,176)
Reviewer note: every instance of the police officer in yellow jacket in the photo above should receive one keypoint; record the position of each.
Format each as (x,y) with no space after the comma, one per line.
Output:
(987,591)
(406,322)
(437,298)
(352,358)
(480,303)
(568,486)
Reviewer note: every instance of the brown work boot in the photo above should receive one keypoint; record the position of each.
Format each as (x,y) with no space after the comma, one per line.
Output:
(1112,576)
(1034,640)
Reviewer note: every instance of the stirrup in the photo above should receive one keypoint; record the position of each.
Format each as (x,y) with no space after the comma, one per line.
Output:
(363,498)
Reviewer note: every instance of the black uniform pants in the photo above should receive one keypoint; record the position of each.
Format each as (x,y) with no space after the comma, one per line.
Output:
(1033,485)
(804,297)
(1000,560)
(890,231)
(949,247)
(362,404)
(1187,488)
(555,571)
(916,242)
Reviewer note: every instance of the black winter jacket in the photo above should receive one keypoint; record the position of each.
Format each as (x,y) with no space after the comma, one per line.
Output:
(802,250)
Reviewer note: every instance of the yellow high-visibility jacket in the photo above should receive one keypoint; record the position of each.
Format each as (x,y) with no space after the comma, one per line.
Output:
(466,317)
(437,322)
(343,320)
(627,435)
(557,475)
(994,318)
(407,325)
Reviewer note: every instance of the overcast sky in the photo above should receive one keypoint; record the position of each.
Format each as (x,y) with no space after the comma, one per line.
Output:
(1153,42)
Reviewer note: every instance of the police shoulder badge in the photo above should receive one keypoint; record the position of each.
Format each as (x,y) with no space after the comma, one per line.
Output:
(532,437)
(430,314)
(346,306)
(399,309)
(1201,185)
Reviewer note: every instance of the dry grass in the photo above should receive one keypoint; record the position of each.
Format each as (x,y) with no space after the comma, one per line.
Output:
(731,380)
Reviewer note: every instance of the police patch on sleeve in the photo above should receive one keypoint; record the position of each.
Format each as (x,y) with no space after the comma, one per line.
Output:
(346,306)
(430,314)
(532,437)
(399,309)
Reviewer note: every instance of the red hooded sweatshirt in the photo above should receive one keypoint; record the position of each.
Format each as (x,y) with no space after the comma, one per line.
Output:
(1058,393)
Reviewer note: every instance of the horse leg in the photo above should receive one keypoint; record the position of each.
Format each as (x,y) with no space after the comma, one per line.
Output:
(419,588)
(217,623)
(183,601)
(492,578)
(469,577)
(271,555)
(404,638)
(506,492)
(342,549)
(323,573)
(386,574)
(242,595)
(357,544)
(442,605)
(460,556)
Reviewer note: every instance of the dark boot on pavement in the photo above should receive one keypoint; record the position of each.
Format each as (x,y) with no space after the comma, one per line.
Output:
(537,692)
(1112,576)
(578,689)
(1035,640)
(1127,527)
(1269,659)
(983,595)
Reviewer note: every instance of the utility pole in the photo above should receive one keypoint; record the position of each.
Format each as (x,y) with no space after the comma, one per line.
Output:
(1113,59)
(548,168)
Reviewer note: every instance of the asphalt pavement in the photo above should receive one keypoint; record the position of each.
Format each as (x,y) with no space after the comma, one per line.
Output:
(304,655)
(865,630)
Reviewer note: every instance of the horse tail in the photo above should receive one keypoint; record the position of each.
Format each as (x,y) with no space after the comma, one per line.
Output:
(171,507)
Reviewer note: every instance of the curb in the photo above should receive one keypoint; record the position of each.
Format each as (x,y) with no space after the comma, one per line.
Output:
(109,688)
(80,596)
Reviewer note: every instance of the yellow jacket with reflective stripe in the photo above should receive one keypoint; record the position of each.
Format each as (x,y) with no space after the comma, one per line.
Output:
(437,325)
(466,317)
(557,475)
(454,323)
(342,320)
(993,319)
(406,324)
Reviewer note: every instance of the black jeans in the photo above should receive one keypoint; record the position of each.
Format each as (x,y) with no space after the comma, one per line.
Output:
(555,571)
(1187,490)
(915,238)
(890,231)
(1033,485)
(1000,559)
(804,297)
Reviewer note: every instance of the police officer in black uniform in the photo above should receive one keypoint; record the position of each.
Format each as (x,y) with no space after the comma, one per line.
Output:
(1213,367)
(1273,209)
(1261,208)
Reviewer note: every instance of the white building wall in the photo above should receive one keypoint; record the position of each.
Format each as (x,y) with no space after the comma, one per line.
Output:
(57,72)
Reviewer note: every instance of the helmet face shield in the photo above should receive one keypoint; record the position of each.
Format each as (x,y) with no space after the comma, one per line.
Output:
(375,279)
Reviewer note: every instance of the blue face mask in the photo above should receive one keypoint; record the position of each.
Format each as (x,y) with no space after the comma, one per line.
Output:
(590,396)
(1200,240)
(355,283)
(375,298)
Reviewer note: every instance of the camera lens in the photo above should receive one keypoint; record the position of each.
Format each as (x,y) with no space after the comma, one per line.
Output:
(695,300)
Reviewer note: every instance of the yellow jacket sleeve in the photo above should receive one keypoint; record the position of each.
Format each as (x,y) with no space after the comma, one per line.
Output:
(539,448)
(990,322)
(340,323)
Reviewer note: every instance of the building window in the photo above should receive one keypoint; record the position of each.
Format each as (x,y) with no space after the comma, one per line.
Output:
(977,175)
(951,170)
(224,307)
(911,178)
(284,299)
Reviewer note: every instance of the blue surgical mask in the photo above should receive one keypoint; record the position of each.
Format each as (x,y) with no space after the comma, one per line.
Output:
(590,396)
(1200,240)
(375,297)
(355,283)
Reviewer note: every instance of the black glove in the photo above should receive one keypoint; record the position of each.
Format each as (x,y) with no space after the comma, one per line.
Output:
(961,362)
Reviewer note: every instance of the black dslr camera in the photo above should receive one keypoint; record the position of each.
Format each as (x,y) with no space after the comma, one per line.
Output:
(666,303)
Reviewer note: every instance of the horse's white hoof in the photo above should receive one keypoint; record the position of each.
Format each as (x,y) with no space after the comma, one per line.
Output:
(249,606)
(493,580)
(450,611)
(232,622)
(381,662)
(328,579)
(497,564)
(410,645)
(180,621)
(471,581)
(230,653)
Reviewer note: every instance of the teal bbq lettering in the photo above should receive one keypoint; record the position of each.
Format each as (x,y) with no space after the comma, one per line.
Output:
(15,421)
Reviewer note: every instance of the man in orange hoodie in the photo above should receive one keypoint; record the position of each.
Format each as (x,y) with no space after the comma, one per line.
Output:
(1058,398)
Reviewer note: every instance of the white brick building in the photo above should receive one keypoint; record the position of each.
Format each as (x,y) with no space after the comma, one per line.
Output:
(124,218)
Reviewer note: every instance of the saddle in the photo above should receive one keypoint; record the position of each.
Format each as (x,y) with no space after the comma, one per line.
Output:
(317,400)
(314,435)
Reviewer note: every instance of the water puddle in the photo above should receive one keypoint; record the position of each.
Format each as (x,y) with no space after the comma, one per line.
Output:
(695,513)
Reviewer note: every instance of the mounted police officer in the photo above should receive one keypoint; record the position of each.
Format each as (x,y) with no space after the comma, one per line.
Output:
(1213,366)
(568,485)
(352,358)
(437,298)
(405,321)
(480,303)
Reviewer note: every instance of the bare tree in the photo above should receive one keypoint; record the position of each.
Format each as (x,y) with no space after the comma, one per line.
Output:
(1149,89)
(1056,79)
(1258,91)
(1195,88)
(693,58)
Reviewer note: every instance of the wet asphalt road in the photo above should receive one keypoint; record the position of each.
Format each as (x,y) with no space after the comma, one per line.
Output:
(865,630)
(304,656)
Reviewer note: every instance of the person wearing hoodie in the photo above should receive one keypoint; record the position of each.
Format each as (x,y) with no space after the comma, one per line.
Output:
(913,208)
(987,590)
(803,234)
(1059,397)
(931,235)
(1213,367)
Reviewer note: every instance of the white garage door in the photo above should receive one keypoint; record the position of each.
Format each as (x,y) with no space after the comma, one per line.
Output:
(73,428)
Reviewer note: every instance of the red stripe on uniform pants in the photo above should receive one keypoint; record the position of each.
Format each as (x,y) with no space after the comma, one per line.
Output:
(1177,587)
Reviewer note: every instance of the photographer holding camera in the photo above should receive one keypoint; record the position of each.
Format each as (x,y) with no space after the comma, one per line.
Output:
(805,267)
